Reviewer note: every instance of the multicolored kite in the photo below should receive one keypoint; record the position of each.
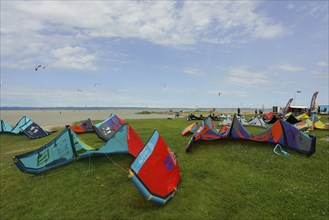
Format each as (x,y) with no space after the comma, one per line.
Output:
(280,132)
(86,126)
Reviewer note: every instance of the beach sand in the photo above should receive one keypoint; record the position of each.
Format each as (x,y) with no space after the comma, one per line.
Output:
(49,119)
(53,119)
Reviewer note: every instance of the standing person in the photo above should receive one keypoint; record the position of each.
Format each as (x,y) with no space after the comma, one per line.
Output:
(256,111)
(238,111)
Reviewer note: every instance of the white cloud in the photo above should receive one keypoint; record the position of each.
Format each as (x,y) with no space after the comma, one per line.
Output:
(245,77)
(194,72)
(291,6)
(160,22)
(290,68)
(73,57)
(51,32)
(318,8)
(318,74)
(315,9)
(237,93)
(261,29)
(322,64)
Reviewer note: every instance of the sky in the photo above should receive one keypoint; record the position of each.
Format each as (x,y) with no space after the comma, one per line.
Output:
(163,54)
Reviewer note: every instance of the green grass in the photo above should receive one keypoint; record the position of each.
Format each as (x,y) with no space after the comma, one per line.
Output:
(144,112)
(222,179)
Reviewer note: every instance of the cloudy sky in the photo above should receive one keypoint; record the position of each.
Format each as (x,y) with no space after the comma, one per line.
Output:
(163,53)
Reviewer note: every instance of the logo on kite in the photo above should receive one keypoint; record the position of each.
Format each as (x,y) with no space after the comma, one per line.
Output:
(168,163)
(116,120)
(43,157)
(107,130)
(34,129)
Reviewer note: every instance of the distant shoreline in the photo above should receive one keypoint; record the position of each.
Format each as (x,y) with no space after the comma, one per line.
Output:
(11,108)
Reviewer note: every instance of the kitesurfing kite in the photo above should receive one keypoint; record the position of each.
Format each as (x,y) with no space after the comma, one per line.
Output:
(84,127)
(155,171)
(280,132)
(67,147)
(24,125)
(107,128)
(190,129)
(39,66)
(317,124)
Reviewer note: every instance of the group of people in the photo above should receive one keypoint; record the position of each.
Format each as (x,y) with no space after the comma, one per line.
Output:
(256,111)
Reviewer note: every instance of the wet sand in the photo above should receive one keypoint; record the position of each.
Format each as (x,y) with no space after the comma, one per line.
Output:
(48,119)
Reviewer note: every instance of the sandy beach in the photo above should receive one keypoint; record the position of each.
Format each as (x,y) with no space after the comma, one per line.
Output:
(49,119)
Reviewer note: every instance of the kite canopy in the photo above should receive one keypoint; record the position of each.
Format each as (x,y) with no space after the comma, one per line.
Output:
(24,125)
(190,129)
(280,132)
(270,118)
(317,124)
(207,131)
(5,127)
(242,120)
(303,116)
(86,126)
(292,119)
(155,172)
(125,140)
(23,121)
(303,125)
(311,124)
(257,121)
(108,127)
(67,147)
(226,121)
(58,152)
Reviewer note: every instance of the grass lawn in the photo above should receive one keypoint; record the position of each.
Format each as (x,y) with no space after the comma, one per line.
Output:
(224,179)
